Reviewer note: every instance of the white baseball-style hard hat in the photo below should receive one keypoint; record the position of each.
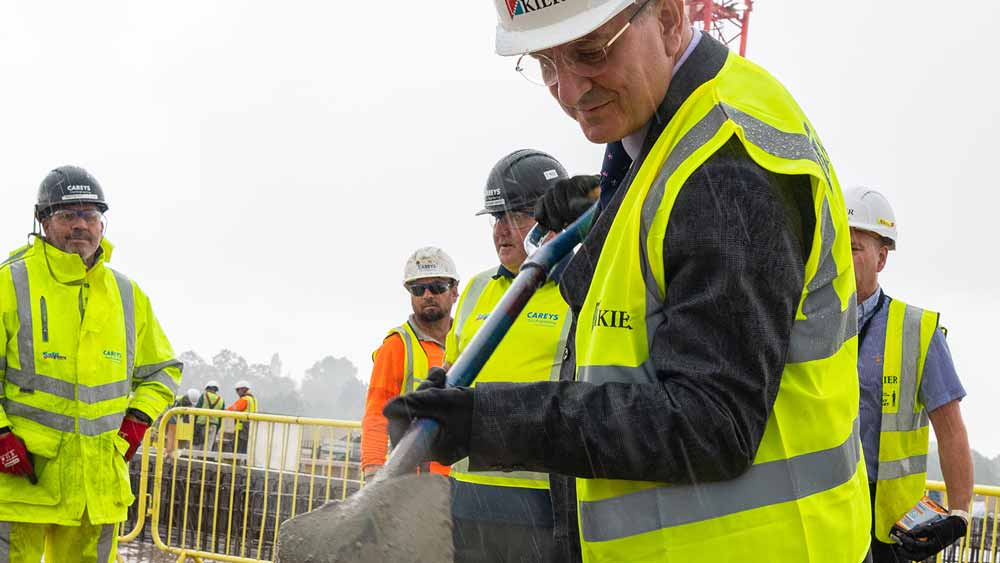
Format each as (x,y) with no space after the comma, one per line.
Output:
(869,210)
(242,384)
(193,395)
(429,262)
(525,26)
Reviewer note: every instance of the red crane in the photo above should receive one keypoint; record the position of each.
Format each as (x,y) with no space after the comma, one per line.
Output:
(726,20)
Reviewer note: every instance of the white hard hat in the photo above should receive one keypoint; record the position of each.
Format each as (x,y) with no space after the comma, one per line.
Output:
(525,26)
(242,384)
(193,395)
(212,383)
(429,262)
(869,210)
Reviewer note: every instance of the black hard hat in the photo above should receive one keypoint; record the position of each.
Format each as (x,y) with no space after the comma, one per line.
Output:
(67,185)
(519,179)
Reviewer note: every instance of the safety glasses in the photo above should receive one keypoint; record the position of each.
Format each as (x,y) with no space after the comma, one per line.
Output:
(436,288)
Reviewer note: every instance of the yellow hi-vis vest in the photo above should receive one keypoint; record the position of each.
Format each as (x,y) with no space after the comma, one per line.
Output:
(416,364)
(805,498)
(903,440)
(212,401)
(79,347)
(251,407)
(532,350)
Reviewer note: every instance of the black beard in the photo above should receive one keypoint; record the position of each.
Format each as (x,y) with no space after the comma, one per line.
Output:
(431,316)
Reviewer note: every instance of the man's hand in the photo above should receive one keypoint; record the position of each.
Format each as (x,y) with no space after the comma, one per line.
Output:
(566,201)
(929,539)
(436,378)
(451,407)
(14,457)
(132,430)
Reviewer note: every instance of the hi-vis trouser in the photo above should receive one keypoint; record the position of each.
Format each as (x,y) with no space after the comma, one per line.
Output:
(23,542)
(805,498)
(904,437)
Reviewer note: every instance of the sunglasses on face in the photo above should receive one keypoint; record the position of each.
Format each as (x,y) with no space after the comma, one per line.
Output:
(436,288)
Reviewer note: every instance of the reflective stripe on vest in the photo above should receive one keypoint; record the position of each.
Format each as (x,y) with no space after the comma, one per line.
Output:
(477,300)
(28,380)
(805,493)
(905,433)
(415,362)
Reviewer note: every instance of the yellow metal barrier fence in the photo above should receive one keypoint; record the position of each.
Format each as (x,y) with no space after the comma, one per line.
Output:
(980,542)
(221,491)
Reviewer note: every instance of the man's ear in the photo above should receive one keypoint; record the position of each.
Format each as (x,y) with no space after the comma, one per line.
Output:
(672,17)
(883,256)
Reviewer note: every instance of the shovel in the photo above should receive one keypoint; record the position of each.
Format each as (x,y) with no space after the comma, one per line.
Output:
(399,516)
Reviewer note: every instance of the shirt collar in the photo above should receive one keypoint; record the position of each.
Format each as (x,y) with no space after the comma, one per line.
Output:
(633,141)
(421,335)
(868,307)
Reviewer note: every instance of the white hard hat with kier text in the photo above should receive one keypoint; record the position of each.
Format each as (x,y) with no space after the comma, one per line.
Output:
(525,26)
(429,262)
(869,210)
(242,384)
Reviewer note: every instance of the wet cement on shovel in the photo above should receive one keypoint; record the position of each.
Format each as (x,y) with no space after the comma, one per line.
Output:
(402,519)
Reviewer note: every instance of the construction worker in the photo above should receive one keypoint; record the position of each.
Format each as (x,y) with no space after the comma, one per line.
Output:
(85,368)
(245,402)
(907,376)
(210,399)
(708,407)
(501,516)
(409,350)
(180,429)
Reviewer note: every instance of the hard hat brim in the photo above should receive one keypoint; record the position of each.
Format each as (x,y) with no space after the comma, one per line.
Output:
(519,42)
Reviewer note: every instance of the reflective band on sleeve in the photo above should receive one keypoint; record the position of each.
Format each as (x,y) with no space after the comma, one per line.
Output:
(55,421)
(160,376)
(106,423)
(764,484)
(3,363)
(128,310)
(145,371)
(914,465)
(408,352)
(25,333)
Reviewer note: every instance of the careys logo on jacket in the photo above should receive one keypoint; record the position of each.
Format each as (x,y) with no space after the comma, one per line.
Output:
(542,318)
(611,318)
(521,7)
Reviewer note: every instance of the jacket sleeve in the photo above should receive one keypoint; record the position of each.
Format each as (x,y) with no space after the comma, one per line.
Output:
(4,421)
(384,385)
(733,262)
(156,376)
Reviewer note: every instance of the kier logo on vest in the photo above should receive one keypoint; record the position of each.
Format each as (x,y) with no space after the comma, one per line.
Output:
(521,7)
(611,318)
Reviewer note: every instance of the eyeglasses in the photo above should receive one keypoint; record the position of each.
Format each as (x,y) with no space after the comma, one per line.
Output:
(69,216)
(436,288)
(584,57)
(515,219)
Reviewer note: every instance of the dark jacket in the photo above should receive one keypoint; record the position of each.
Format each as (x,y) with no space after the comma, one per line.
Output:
(734,253)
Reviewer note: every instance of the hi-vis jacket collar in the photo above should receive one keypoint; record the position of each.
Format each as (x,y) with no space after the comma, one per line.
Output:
(66,267)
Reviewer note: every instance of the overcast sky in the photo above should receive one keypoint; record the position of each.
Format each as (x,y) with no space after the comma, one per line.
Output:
(271,165)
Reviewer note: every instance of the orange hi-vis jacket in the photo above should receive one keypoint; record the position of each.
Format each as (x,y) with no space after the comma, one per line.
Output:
(385,385)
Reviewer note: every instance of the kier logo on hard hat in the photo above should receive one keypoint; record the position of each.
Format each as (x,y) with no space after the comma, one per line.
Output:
(520,7)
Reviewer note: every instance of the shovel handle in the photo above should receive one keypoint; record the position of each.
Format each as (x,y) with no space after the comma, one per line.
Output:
(414,447)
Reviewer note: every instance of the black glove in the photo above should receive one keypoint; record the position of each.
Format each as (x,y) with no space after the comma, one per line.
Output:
(566,201)
(436,378)
(928,539)
(451,407)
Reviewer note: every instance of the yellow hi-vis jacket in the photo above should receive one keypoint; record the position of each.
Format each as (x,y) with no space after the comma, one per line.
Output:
(903,440)
(210,400)
(80,347)
(805,498)
(532,350)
